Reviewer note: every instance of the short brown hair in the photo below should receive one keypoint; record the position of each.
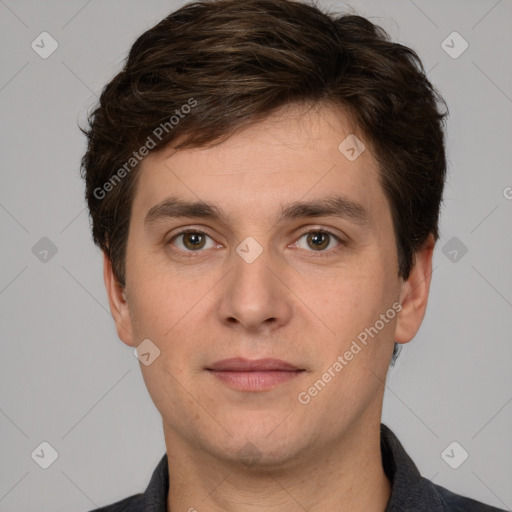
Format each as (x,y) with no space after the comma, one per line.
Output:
(236,62)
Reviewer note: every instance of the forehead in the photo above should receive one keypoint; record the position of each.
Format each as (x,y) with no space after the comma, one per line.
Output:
(294,155)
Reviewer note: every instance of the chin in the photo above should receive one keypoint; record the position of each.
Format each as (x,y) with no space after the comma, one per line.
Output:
(255,449)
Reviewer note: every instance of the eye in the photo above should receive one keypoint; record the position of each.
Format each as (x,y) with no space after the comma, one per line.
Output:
(192,240)
(318,240)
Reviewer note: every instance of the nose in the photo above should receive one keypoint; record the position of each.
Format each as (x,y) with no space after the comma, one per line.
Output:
(254,295)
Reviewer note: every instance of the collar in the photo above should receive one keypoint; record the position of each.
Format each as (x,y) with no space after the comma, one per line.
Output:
(409,490)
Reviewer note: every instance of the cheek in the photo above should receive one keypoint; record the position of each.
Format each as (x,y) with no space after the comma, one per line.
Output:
(352,305)
(354,298)
(155,307)
(174,312)
(156,293)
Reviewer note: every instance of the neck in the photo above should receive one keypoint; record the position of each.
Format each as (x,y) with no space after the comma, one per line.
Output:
(346,476)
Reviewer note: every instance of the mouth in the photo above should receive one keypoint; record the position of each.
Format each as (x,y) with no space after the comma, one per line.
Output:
(253,375)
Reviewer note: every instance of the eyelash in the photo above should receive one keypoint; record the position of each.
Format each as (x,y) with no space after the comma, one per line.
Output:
(317,254)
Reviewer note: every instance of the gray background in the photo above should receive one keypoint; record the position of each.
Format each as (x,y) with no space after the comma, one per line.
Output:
(66,379)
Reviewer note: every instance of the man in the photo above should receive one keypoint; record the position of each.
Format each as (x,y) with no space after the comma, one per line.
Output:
(264,180)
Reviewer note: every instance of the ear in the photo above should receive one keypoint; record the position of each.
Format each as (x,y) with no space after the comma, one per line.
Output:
(414,294)
(118,303)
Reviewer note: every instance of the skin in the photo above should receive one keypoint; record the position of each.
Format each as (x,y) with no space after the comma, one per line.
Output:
(288,304)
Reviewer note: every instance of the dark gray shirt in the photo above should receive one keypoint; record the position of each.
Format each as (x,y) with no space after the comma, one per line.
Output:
(410,492)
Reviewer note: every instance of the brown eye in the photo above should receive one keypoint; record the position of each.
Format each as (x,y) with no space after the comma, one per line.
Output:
(191,241)
(318,240)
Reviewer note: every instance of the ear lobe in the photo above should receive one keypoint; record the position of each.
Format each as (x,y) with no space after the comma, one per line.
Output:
(118,303)
(414,294)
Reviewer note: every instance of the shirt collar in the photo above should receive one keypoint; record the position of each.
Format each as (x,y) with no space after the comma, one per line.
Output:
(155,496)
(409,490)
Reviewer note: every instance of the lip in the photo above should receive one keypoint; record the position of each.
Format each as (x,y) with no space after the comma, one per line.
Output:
(239,364)
(253,375)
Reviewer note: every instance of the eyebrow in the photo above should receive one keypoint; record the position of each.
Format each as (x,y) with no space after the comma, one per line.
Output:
(332,206)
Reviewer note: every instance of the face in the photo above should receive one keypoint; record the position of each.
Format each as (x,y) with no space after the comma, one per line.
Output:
(256,298)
